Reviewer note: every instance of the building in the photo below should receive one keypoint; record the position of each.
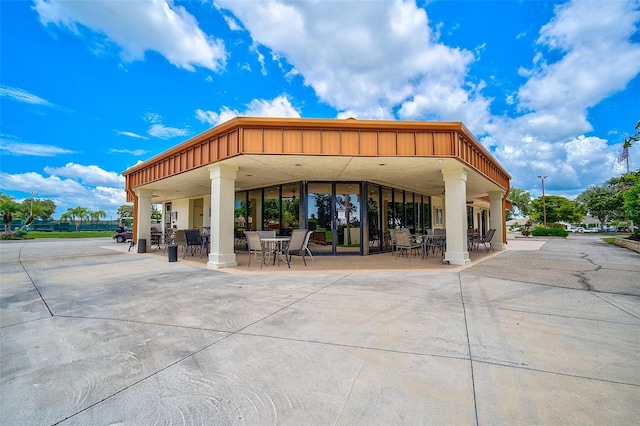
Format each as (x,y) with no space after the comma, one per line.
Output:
(348,180)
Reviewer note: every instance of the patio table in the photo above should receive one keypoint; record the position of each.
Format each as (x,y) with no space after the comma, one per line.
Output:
(277,245)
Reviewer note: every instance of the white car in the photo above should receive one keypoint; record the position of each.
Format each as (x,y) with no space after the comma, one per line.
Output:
(592,230)
(578,229)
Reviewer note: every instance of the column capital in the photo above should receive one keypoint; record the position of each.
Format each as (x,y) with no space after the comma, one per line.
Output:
(496,194)
(458,173)
(145,193)
(223,171)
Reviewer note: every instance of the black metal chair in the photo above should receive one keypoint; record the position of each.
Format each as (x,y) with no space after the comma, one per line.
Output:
(193,243)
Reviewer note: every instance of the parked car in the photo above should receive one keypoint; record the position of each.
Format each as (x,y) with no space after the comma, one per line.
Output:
(592,230)
(627,228)
(609,229)
(578,229)
(122,235)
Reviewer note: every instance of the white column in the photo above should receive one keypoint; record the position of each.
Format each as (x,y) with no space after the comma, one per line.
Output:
(455,198)
(497,219)
(223,183)
(143,229)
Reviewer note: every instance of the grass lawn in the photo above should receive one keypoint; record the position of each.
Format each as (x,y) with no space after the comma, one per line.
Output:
(81,234)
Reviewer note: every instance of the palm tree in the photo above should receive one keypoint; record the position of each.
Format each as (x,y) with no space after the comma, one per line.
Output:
(66,216)
(96,215)
(80,213)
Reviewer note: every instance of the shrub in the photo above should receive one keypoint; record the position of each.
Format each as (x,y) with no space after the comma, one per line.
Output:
(16,234)
(546,232)
(635,236)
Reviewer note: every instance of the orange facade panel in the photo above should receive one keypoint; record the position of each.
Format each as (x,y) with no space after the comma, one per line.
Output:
(331,142)
(406,143)
(292,141)
(233,143)
(272,141)
(252,141)
(387,143)
(424,143)
(349,142)
(332,137)
(443,144)
(369,143)
(311,141)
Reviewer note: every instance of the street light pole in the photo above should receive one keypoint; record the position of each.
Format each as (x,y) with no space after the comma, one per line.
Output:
(544,205)
(33,194)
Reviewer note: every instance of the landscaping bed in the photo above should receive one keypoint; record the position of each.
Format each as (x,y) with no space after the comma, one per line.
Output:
(628,244)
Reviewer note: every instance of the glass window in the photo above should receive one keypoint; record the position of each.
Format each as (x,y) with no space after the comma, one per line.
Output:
(271,208)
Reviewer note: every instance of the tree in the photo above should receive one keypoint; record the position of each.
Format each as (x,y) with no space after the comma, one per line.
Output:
(521,200)
(155,213)
(632,203)
(619,187)
(125,211)
(559,209)
(81,213)
(599,202)
(96,215)
(8,207)
(32,208)
(46,208)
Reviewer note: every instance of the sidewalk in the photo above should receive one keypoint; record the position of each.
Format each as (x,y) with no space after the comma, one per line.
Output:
(544,335)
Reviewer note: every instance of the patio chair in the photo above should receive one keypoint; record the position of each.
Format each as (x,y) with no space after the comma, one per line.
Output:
(194,242)
(296,246)
(268,234)
(405,244)
(306,244)
(486,240)
(180,239)
(392,240)
(255,247)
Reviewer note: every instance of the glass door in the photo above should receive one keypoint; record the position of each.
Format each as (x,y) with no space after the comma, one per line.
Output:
(319,214)
(347,218)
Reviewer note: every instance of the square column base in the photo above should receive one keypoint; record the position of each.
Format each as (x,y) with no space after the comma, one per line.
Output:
(218,261)
(499,246)
(457,258)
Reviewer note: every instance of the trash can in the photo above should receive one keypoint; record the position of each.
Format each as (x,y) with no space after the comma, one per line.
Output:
(172,249)
(142,245)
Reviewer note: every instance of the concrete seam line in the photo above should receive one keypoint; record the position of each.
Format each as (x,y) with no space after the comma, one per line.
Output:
(466,328)
(32,281)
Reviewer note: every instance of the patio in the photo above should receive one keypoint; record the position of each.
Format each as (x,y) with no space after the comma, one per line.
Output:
(383,262)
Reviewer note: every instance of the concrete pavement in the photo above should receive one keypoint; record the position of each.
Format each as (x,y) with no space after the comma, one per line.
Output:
(547,332)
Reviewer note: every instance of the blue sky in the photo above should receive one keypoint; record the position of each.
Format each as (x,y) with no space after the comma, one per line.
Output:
(90,88)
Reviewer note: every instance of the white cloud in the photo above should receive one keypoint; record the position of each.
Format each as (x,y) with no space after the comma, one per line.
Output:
(66,193)
(366,58)
(20,95)
(598,59)
(232,23)
(132,135)
(90,175)
(9,147)
(136,152)
(152,117)
(164,132)
(278,107)
(595,59)
(138,26)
